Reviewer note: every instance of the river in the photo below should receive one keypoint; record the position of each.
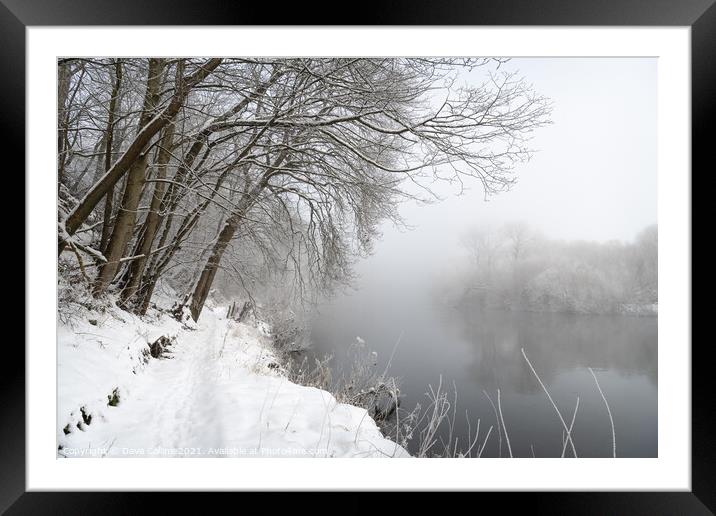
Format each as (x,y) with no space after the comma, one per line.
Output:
(476,350)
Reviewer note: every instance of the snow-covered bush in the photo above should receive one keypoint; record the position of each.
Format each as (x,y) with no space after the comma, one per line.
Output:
(289,332)
(74,293)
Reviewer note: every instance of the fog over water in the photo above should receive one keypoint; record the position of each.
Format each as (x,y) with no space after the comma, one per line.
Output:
(594,178)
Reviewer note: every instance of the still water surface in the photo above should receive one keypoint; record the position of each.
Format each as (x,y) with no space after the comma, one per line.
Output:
(480,350)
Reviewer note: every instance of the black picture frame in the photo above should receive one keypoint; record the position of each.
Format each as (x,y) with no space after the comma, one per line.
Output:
(700,15)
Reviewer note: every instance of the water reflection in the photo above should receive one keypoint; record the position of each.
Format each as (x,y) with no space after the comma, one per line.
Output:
(555,343)
(480,351)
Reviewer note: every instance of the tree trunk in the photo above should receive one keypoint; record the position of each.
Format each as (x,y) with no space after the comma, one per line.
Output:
(127,213)
(64,75)
(109,138)
(206,278)
(151,224)
(203,285)
(122,230)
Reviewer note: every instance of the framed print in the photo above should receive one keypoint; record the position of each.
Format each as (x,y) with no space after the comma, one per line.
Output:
(423,252)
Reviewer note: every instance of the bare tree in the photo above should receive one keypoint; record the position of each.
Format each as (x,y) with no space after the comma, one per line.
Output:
(80,213)
(353,155)
(291,162)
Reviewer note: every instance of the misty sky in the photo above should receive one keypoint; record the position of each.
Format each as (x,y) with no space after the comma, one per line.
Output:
(594,175)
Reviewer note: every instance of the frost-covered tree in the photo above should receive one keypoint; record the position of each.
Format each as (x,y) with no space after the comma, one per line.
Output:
(297,159)
(530,272)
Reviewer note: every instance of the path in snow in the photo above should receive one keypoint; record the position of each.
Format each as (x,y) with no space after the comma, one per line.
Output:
(218,394)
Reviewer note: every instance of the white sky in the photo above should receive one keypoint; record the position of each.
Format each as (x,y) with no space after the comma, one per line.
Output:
(593,177)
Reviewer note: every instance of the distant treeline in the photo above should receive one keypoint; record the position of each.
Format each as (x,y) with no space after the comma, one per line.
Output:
(516,268)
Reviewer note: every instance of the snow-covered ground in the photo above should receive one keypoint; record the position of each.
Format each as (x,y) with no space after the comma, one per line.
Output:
(218,392)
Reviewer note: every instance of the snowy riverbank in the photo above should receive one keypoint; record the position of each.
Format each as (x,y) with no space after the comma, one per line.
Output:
(215,391)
